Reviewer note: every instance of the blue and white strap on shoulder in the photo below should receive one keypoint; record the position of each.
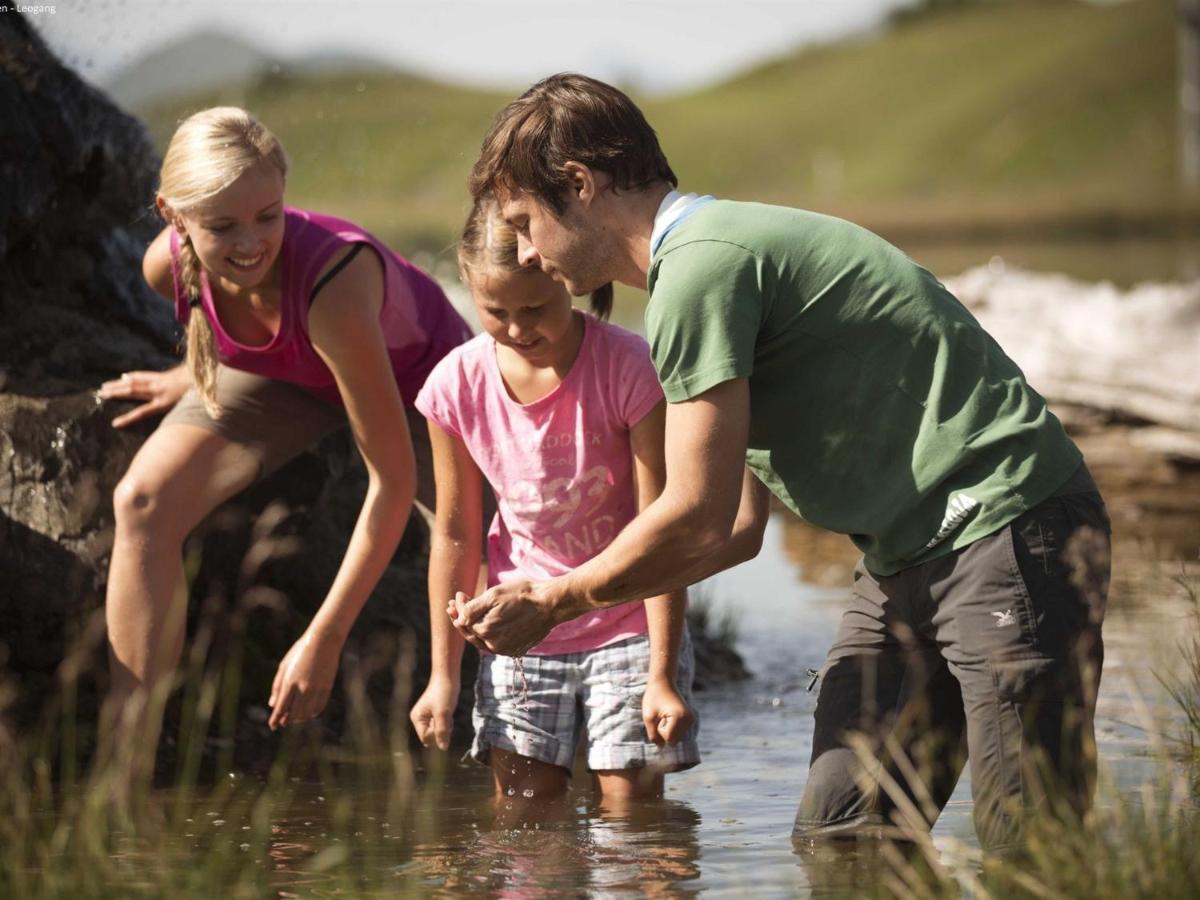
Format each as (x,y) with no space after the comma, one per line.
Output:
(673,210)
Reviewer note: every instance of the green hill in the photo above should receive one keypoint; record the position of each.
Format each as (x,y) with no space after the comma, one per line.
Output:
(1055,115)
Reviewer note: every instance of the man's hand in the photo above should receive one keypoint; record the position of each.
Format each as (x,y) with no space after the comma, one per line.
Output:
(433,714)
(509,618)
(304,679)
(160,390)
(666,716)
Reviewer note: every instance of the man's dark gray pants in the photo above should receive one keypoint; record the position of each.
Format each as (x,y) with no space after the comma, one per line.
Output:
(991,653)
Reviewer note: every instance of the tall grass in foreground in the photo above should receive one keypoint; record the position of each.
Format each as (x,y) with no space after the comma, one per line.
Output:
(67,832)
(346,819)
(1138,848)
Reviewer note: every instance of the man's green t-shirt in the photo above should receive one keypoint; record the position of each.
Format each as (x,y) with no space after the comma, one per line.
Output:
(879,407)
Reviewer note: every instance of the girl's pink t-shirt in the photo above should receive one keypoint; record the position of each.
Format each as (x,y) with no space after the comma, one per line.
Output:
(561,466)
(418,322)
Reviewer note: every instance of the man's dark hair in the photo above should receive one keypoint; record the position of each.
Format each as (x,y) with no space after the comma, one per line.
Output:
(568,118)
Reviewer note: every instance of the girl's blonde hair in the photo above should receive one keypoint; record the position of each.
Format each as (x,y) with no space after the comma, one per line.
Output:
(208,152)
(488,245)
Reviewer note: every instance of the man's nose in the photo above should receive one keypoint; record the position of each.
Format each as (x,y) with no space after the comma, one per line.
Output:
(527,254)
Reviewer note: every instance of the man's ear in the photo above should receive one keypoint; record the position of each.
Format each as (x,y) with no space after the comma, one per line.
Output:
(581,182)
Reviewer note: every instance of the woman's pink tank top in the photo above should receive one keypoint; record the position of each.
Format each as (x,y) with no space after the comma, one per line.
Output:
(419,324)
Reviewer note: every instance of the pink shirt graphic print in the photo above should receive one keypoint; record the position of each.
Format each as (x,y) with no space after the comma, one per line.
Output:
(561,466)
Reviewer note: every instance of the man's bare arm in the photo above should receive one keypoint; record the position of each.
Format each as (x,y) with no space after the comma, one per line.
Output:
(676,540)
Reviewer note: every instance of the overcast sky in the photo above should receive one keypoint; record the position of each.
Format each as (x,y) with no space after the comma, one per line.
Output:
(655,44)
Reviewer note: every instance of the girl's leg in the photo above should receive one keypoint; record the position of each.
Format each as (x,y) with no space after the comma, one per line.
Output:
(616,788)
(626,766)
(526,729)
(522,778)
(179,475)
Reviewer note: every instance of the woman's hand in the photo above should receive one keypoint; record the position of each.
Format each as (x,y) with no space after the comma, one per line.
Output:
(304,679)
(160,390)
(666,716)
(433,714)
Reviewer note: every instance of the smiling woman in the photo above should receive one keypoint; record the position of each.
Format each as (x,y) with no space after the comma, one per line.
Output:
(292,332)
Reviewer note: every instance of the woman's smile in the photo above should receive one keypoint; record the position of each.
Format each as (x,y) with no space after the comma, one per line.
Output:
(247,262)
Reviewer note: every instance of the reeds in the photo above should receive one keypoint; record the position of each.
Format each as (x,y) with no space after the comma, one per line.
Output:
(1143,845)
(80,815)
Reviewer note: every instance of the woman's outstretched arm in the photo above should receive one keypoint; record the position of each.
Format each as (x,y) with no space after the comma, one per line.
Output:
(344,327)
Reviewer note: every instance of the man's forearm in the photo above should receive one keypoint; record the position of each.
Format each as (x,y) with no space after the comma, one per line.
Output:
(656,553)
(735,551)
(659,552)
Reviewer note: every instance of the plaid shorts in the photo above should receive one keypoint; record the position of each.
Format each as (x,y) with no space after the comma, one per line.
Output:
(596,695)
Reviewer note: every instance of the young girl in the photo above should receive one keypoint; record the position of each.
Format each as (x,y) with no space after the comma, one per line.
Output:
(563,415)
(296,323)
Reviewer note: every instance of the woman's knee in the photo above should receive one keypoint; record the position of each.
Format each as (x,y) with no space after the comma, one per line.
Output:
(142,505)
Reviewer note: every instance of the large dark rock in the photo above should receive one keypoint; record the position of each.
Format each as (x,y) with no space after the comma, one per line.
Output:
(76,182)
(77,178)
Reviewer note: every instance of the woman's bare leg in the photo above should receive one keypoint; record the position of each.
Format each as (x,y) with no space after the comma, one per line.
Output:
(179,475)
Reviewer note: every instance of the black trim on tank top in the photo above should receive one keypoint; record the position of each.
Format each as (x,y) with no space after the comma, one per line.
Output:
(328,276)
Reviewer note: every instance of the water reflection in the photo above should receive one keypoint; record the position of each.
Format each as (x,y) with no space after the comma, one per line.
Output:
(452,838)
(725,824)
(650,849)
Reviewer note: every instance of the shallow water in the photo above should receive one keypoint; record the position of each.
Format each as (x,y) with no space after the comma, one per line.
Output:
(724,827)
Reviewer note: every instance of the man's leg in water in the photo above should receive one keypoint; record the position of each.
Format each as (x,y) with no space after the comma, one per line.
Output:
(1019,614)
(883,680)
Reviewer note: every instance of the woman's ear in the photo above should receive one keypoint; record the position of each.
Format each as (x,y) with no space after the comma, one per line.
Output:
(169,215)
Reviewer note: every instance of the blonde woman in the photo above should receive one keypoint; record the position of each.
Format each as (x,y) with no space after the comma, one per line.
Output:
(297,322)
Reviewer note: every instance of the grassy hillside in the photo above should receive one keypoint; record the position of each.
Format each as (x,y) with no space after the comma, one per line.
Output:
(986,117)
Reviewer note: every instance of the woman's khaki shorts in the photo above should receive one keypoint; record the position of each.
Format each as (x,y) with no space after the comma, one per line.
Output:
(277,421)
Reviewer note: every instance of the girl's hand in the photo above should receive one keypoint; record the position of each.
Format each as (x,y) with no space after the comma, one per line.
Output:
(433,714)
(160,390)
(666,716)
(304,679)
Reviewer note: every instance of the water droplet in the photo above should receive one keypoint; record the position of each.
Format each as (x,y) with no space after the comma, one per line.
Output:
(528,792)
(511,791)
(244,847)
(217,823)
